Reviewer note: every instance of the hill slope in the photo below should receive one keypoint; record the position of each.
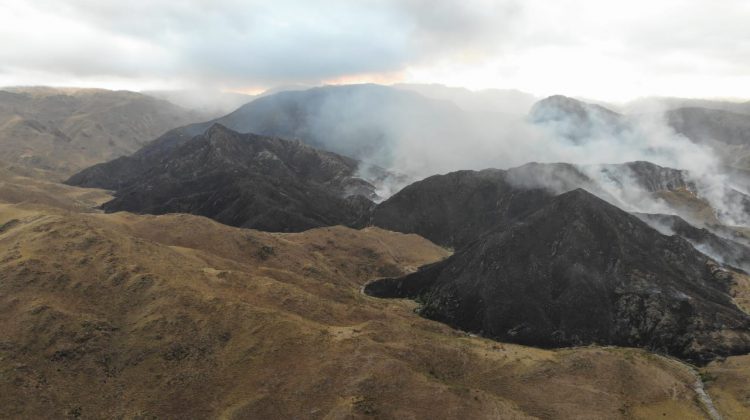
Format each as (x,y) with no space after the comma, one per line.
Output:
(576,120)
(726,250)
(710,125)
(723,126)
(455,209)
(175,316)
(52,133)
(581,271)
(240,180)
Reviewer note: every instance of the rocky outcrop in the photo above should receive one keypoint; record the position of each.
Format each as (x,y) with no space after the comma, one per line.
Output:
(703,125)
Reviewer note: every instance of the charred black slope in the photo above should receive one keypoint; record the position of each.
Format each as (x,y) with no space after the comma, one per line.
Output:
(456,208)
(237,179)
(728,133)
(580,271)
(725,250)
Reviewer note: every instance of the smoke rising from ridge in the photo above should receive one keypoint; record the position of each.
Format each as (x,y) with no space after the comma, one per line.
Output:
(419,142)
(414,137)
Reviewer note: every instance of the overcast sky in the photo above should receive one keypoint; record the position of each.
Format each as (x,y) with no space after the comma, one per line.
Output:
(609,50)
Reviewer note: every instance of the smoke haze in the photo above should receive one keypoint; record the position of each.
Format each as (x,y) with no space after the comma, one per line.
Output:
(419,138)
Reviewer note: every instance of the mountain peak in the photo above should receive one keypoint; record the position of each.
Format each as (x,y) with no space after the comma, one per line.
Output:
(574,119)
(559,106)
(579,271)
(219,129)
(579,195)
(238,179)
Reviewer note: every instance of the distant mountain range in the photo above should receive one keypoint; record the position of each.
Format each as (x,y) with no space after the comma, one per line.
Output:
(206,102)
(60,131)
(575,120)
(52,133)
(723,126)
(579,271)
(365,122)
(573,269)
(395,128)
(651,104)
(454,209)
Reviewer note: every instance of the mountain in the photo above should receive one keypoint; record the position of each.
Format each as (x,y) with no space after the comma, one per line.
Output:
(238,179)
(379,125)
(579,271)
(210,103)
(454,209)
(726,132)
(485,101)
(726,129)
(52,133)
(723,137)
(177,316)
(649,176)
(361,121)
(651,104)
(576,120)
(122,315)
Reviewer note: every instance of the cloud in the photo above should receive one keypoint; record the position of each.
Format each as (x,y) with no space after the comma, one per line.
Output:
(614,51)
(237,43)
(604,50)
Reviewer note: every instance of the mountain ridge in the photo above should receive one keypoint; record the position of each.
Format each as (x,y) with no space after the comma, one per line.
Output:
(238,179)
(580,271)
(51,133)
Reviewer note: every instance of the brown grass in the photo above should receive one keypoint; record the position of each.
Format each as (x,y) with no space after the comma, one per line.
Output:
(728,383)
(178,316)
(20,189)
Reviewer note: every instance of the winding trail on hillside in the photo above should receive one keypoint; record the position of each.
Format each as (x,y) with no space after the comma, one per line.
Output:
(703,397)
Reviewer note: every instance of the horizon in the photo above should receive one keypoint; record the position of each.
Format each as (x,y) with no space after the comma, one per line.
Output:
(254,94)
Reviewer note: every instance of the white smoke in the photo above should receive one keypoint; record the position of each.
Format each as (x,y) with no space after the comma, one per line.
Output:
(495,140)
(414,136)
(209,103)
